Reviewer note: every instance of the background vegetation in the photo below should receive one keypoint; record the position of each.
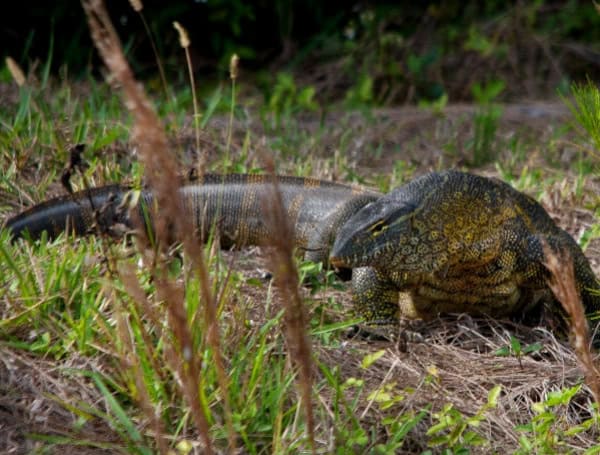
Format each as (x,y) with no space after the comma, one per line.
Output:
(107,347)
(377,52)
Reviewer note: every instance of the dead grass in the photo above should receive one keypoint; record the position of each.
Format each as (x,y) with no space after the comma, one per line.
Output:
(455,364)
(562,283)
(286,281)
(461,350)
(161,173)
(34,394)
(162,177)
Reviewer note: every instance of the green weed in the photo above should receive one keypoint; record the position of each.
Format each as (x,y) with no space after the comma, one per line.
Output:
(484,147)
(285,99)
(550,427)
(585,108)
(455,432)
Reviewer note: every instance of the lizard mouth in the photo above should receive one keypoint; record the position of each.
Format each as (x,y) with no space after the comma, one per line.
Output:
(373,259)
(337,261)
(341,268)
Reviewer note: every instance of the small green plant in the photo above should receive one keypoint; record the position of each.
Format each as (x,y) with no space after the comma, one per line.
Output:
(586,110)
(419,68)
(549,429)
(485,122)
(436,106)
(361,94)
(349,433)
(517,349)
(399,427)
(351,436)
(591,233)
(479,42)
(314,275)
(286,99)
(454,430)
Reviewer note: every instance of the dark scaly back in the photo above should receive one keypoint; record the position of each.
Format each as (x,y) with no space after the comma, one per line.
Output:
(237,205)
(540,228)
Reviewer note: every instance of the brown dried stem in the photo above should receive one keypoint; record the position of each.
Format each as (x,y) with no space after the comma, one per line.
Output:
(562,283)
(184,41)
(286,281)
(161,175)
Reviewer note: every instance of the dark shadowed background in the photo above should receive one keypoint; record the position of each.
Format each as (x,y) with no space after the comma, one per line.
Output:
(397,51)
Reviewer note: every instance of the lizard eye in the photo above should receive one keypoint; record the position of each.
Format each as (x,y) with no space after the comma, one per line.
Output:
(378,227)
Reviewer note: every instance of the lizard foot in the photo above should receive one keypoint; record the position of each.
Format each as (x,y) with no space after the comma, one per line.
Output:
(395,333)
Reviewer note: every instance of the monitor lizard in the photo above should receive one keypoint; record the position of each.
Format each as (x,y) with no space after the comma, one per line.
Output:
(445,242)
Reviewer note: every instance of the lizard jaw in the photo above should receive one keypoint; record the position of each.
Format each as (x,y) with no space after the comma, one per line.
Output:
(337,261)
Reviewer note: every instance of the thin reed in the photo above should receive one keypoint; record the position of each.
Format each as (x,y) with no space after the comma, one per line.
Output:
(161,176)
(562,283)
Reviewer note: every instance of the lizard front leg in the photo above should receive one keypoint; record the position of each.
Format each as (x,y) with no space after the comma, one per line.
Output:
(382,306)
(376,298)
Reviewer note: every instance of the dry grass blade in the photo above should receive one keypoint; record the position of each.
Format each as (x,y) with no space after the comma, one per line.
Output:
(35,394)
(138,7)
(562,283)
(286,281)
(161,174)
(15,71)
(184,41)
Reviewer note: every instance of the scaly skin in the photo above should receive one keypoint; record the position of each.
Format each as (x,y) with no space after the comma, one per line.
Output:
(453,242)
(446,242)
(233,204)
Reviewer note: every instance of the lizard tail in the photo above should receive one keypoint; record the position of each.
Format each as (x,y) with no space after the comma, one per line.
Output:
(83,212)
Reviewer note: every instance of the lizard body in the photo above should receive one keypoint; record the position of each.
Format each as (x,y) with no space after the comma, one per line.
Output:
(454,242)
(445,242)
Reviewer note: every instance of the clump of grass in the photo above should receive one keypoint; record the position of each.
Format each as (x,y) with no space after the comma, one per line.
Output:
(19,77)
(485,122)
(586,110)
(182,352)
(286,280)
(140,356)
(161,174)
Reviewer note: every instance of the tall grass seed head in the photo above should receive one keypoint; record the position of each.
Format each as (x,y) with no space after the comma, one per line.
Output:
(184,39)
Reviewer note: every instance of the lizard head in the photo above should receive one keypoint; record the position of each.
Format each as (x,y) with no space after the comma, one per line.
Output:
(371,236)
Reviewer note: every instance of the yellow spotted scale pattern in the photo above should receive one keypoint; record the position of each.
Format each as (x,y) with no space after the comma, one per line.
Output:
(454,242)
